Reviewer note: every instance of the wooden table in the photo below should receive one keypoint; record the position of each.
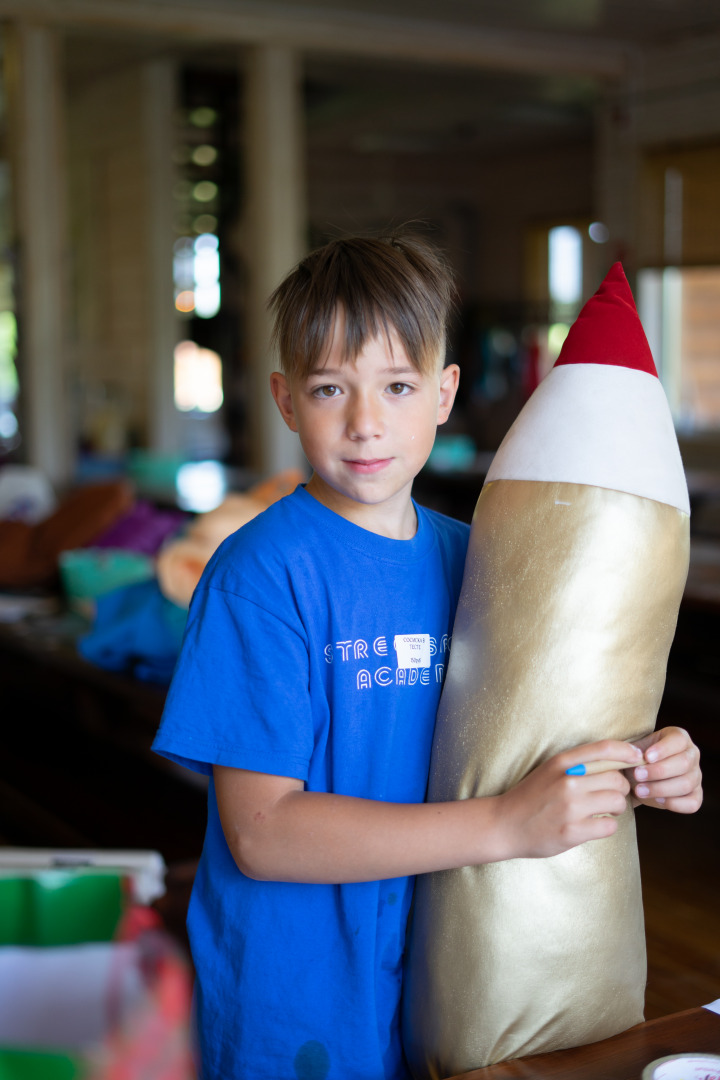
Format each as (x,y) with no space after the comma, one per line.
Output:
(76,768)
(621,1058)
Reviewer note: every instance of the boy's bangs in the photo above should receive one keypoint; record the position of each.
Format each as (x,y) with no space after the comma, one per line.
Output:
(378,287)
(357,325)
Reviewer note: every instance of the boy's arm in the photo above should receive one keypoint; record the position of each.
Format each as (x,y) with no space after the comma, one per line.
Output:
(670,778)
(278,831)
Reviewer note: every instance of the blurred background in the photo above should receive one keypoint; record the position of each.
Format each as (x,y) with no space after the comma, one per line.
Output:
(163,163)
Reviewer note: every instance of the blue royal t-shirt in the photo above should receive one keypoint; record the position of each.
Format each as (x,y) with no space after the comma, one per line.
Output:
(314,649)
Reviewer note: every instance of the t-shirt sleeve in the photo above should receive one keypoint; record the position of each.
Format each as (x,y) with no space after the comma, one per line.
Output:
(240,694)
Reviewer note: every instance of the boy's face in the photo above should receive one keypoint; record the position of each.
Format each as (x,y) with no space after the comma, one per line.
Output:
(367,428)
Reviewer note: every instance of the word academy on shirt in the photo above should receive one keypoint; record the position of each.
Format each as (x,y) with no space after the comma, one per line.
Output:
(417,659)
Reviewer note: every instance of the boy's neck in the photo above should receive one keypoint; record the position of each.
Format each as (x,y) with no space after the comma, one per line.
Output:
(395,518)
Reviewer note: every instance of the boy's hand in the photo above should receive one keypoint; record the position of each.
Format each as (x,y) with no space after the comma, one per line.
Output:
(549,811)
(670,779)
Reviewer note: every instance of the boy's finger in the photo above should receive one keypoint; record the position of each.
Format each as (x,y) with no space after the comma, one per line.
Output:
(679,804)
(595,828)
(670,788)
(624,754)
(684,804)
(666,743)
(605,802)
(679,765)
(610,781)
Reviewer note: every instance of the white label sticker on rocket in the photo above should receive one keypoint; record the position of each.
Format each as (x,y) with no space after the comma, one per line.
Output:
(413,650)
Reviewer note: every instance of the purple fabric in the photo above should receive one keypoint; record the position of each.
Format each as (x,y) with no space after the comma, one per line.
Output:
(143,529)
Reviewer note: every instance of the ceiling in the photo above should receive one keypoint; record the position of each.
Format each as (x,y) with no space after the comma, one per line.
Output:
(638,22)
(397,104)
(406,110)
(403,108)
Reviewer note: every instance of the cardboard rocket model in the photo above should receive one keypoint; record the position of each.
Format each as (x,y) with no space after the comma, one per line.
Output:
(577,562)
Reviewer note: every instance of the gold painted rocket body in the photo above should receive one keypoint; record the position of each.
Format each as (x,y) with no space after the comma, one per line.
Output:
(566,617)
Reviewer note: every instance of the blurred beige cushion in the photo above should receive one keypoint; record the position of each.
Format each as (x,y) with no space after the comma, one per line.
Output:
(182,561)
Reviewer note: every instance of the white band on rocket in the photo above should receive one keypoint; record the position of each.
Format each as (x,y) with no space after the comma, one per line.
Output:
(597,424)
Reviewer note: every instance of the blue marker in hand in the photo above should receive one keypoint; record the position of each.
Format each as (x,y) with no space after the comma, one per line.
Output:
(598,767)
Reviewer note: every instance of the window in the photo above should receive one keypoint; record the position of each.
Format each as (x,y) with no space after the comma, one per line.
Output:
(678,289)
(680,310)
(564,266)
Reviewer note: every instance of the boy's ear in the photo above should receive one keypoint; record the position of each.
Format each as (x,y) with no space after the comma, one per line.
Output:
(283,398)
(449,380)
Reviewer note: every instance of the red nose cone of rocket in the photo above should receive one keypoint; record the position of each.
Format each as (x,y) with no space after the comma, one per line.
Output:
(608,329)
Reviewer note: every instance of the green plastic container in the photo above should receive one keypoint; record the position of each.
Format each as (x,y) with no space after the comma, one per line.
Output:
(60,907)
(151,471)
(87,573)
(27,1065)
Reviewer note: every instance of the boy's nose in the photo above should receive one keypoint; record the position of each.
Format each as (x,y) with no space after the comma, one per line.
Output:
(364,419)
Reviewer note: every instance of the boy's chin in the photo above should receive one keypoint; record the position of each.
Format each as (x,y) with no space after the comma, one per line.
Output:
(364,496)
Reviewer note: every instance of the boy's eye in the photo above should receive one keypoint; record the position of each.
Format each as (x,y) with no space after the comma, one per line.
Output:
(399,388)
(326,391)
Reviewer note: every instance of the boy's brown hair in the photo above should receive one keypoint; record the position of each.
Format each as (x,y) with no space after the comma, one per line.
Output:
(395,282)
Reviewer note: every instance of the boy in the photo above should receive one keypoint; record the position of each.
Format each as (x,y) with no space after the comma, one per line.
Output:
(296,693)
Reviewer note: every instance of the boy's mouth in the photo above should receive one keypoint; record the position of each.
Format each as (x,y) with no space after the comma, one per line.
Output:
(370,465)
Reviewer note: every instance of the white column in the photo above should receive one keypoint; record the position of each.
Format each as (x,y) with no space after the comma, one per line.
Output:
(37,124)
(159,102)
(276,222)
